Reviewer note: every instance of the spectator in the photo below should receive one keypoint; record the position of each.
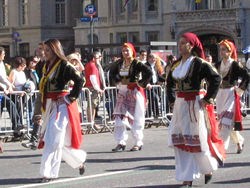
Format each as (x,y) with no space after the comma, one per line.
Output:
(75,60)
(153,94)
(143,56)
(31,72)
(7,88)
(170,60)
(209,58)
(37,122)
(95,81)
(18,79)
(32,83)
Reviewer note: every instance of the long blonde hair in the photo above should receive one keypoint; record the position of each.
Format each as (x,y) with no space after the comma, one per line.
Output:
(159,65)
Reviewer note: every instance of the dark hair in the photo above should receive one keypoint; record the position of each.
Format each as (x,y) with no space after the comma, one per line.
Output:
(56,48)
(170,57)
(30,59)
(142,51)
(2,50)
(18,61)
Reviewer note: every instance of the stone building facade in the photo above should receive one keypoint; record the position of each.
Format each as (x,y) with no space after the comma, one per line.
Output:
(166,20)
(25,23)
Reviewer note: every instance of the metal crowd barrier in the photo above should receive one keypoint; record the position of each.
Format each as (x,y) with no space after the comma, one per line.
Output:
(84,102)
(108,104)
(157,112)
(15,113)
(16,109)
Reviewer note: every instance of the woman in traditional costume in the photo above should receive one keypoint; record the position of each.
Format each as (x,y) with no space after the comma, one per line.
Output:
(61,130)
(131,100)
(193,129)
(228,97)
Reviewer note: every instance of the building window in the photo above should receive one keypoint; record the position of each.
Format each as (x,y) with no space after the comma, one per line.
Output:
(89,2)
(134,5)
(111,38)
(60,11)
(122,38)
(120,6)
(24,49)
(4,13)
(134,37)
(23,12)
(152,36)
(152,5)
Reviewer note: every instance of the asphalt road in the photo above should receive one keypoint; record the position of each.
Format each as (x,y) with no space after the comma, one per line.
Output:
(152,167)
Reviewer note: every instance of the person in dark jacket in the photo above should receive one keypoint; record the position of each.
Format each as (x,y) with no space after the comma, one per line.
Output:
(153,93)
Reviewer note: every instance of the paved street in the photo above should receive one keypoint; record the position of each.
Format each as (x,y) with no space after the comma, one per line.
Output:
(151,167)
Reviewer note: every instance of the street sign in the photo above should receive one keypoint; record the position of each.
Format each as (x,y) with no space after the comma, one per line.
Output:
(15,35)
(88,19)
(90,10)
(85,19)
(96,19)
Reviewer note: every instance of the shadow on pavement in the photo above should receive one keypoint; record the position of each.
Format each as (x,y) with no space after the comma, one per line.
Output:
(128,159)
(146,167)
(92,152)
(157,186)
(229,165)
(239,181)
(19,156)
(19,181)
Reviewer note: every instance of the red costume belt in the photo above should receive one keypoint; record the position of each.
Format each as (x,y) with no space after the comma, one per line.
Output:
(189,95)
(74,119)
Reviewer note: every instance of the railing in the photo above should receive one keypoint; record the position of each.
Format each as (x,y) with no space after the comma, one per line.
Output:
(17,109)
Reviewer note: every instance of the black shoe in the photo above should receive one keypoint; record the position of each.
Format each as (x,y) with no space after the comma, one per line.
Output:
(82,169)
(31,145)
(239,151)
(208,178)
(119,147)
(46,180)
(186,185)
(34,146)
(136,148)
(26,145)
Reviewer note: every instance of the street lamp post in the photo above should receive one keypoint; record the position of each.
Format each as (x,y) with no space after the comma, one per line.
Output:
(91,32)
(91,11)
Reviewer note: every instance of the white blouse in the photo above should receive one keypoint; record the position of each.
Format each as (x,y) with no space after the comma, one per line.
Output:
(181,70)
(19,79)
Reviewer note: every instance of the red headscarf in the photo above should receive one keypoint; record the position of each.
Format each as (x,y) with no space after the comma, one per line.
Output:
(130,46)
(196,43)
(231,48)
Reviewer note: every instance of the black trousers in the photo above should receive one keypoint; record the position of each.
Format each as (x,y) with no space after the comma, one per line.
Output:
(13,112)
(153,102)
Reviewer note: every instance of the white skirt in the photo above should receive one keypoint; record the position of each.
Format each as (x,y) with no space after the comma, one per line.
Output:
(188,136)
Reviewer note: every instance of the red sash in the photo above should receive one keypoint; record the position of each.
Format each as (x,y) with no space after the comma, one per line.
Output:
(74,119)
(216,145)
(188,96)
(237,115)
